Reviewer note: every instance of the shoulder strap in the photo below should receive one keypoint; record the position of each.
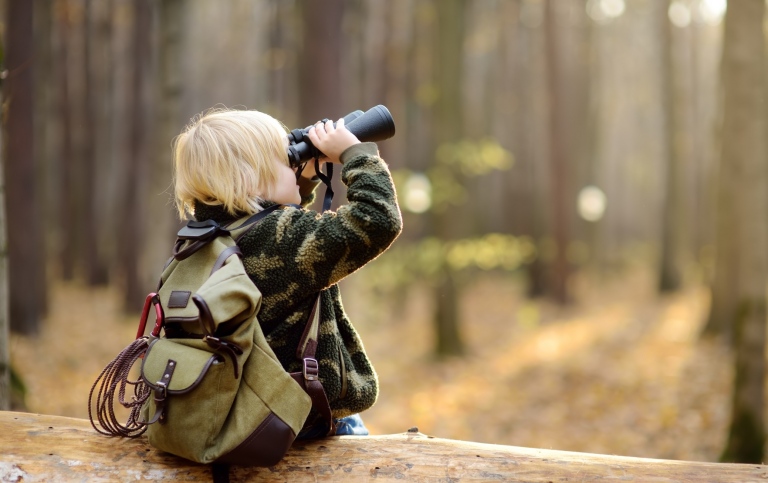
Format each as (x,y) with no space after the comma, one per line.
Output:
(195,235)
(239,227)
(308,342)
(309,378)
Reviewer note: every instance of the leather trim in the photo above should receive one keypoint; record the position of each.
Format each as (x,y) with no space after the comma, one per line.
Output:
(155,386)
(343,371)
(161,392)
(224,255)
(308,342)
(265,446)
(178,299)
(180,253)
(176,331)
(181,320)
(314,389)
(242,229)
(207,324)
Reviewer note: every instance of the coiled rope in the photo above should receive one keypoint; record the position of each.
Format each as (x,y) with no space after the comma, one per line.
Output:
(116,376)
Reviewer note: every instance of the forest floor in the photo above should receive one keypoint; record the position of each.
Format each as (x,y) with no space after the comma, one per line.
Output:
(621,371)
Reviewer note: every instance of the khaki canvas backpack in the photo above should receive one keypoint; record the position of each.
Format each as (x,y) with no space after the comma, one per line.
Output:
(211,390)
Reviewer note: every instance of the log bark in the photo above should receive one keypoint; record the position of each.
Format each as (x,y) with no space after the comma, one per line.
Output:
(54,448)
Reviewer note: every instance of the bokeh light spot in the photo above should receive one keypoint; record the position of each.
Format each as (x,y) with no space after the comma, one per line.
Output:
(592,203)
(418,193)
(603,11)
(679,14)
(711,11)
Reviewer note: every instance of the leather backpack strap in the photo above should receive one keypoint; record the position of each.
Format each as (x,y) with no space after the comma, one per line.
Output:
(309,377)
(308,342)
(239,227)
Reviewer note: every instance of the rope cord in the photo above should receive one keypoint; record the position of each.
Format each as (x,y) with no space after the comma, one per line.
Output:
(116,376)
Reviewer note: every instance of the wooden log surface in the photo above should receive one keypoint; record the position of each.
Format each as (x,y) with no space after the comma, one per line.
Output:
(52,448)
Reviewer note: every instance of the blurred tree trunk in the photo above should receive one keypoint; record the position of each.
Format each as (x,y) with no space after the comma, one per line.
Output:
(45,149)
(400,25)
(585,137)
(66,199)
(744,153)
(5,329)
(27,282)
(576,55)
(285,62)
(670,277)
(133,209)
(557,86)
(450,39)
(701,146)
(506,123)
(96,272)
(532,151)
(726,267)
(169,91)
(320,71)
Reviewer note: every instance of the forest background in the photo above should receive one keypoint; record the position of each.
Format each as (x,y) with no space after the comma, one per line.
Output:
(583,185)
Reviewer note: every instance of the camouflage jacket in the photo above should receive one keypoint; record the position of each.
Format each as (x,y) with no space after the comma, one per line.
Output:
(294,253)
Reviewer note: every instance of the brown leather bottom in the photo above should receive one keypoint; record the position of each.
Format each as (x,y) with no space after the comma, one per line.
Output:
(266,446)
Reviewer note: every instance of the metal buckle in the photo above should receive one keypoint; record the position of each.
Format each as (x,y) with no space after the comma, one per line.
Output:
(162,392)
(311,369)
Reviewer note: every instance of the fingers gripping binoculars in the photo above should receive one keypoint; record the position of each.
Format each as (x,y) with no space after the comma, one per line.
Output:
(375,124)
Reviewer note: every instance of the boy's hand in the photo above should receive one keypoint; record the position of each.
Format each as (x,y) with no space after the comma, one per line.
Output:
(331,140)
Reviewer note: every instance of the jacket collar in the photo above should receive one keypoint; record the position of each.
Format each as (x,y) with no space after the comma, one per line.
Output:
(218,213)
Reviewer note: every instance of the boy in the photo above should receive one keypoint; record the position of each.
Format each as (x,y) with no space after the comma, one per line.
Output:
(229,164)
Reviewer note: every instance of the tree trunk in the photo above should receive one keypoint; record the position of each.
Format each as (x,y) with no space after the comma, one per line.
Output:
(169,88)
(96,272)
(5,329)
(133,209)
(724,303)
(670,277)
(746,433)
(559,149)
(320,72)
(450,38)
(744,149)
(26,262)
(66,206)
(45,149)
(54,448)
(530,157)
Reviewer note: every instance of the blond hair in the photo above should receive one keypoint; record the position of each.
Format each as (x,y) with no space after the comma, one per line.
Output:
(226,157)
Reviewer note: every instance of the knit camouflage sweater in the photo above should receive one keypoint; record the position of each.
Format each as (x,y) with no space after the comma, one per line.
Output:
(294,253)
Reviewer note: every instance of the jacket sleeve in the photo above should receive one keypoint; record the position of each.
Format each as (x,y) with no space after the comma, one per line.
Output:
(323,248)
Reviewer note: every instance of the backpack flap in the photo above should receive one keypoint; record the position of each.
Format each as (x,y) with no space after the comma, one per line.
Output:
(193,364)
(222,284)
(230,295)
(171,368)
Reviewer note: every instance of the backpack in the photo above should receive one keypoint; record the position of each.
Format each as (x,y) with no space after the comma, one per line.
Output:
(211,390)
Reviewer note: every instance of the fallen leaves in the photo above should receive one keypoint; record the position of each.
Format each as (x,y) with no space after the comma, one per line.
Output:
(621,372)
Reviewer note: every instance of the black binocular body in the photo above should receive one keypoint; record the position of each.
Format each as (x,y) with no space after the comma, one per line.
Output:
(375,124)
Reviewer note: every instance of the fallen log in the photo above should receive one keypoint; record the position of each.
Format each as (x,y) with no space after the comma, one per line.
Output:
(53,448)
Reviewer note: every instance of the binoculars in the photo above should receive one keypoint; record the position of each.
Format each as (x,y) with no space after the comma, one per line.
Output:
(375,124)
